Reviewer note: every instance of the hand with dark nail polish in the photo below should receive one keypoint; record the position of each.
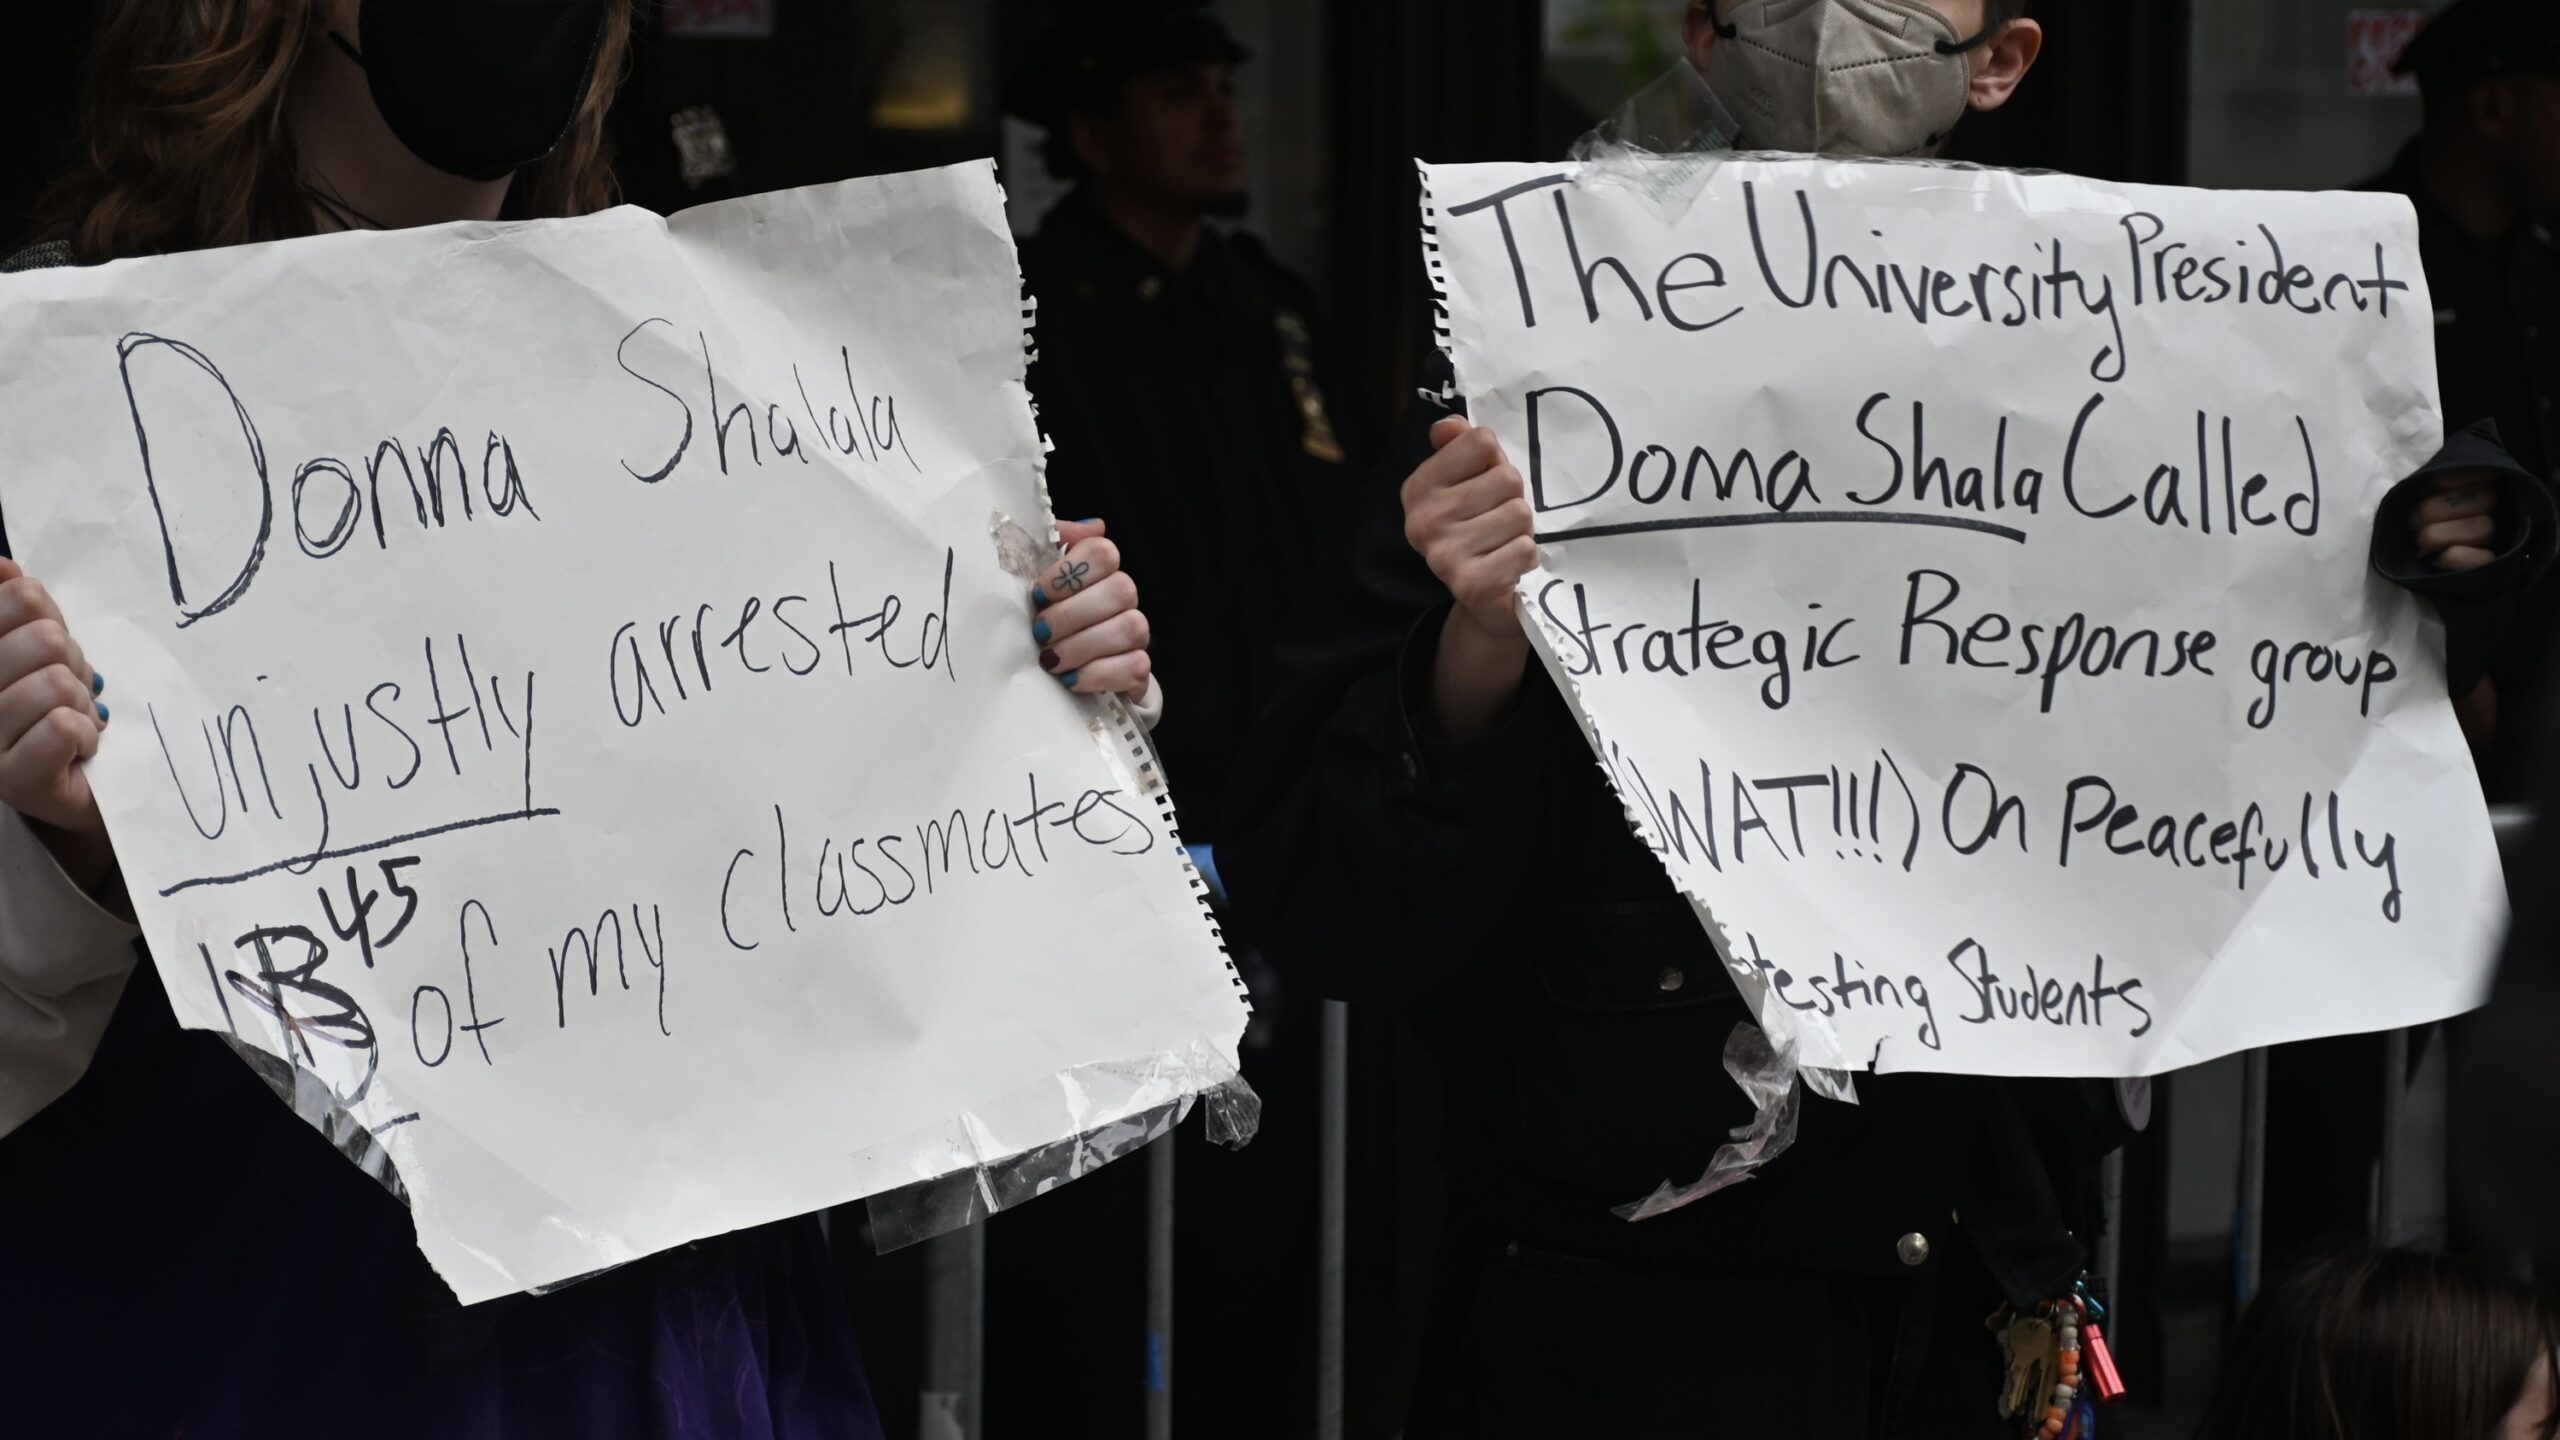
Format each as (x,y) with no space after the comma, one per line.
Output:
(50,718)
(1091,635)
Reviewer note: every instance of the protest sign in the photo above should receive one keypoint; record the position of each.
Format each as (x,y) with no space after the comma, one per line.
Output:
(1962,579)
(569,701)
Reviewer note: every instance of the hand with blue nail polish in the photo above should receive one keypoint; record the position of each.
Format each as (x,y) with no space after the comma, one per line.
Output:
(1086,625)
(50,719)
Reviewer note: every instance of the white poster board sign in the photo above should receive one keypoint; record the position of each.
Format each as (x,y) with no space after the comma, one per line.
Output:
(567,700)
(1962,577)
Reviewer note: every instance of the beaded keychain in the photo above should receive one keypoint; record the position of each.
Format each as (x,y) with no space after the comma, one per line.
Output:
(2060,1370)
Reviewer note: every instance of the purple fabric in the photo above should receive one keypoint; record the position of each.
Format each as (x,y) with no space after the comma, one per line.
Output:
(181,1259)
(742,1338)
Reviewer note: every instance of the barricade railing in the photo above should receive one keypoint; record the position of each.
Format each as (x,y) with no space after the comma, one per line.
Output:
(1159,1373)
(955,1268)
(2389,1220)
(955,1335)
(1333,1189)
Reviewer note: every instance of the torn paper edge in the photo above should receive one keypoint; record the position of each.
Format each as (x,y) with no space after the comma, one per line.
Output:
(1783,1033)
(969,1168)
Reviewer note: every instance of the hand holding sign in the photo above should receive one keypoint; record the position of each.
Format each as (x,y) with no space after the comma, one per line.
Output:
(2458,525)
(1466,512)
(1090,631)
(50,717)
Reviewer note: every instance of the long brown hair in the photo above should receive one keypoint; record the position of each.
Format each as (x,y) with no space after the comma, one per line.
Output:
(184,144)
(2384,1345)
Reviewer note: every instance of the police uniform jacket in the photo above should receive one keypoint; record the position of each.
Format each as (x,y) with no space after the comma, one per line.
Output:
(1494,892)
(2497,313)
(1190,410)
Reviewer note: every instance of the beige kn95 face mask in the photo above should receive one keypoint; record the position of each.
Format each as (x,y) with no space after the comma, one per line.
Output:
(1882,78)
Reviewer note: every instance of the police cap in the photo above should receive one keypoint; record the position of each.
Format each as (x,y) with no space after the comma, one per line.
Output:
(2476,39)
(1093,45)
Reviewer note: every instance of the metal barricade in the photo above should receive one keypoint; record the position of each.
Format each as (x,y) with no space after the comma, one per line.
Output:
(2389,1222)
(1159,1375)
(2395,1100)
(2111,1242)
(956,1263)
(2250,1239)
(1332,1205)
(955,1335)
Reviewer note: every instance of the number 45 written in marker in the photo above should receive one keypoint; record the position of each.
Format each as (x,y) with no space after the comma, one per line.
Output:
(287,988)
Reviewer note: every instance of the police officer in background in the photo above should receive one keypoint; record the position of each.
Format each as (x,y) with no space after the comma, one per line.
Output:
(1180,373)
(2485,178)
(1181,378)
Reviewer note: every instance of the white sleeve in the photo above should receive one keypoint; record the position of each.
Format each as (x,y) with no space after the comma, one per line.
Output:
(63,964)
(1149,708)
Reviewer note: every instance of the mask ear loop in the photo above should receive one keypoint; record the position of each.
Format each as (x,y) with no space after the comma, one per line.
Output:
(347,216)
(1967,47)
(1725,29)
(351,51)
(1962,47)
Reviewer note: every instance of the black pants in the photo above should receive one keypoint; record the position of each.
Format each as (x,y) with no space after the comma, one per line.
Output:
(1530,1343)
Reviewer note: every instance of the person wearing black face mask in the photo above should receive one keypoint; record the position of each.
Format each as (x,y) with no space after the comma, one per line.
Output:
(477,88)
(180,1254)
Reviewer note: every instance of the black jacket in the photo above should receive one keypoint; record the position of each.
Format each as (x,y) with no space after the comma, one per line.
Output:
(1495,892)
(2505,1111)
(2480,607)
(1190,410)
(2497,305)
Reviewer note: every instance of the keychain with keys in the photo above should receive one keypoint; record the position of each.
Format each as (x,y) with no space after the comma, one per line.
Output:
(2032,1350)
(2059,1370)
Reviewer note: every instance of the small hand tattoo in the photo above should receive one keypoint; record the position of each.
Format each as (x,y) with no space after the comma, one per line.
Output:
(1071,576)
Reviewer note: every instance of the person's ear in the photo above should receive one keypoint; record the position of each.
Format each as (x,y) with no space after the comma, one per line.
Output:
(1084,132)
(2001,64)
(1698,33)
(2495,106)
